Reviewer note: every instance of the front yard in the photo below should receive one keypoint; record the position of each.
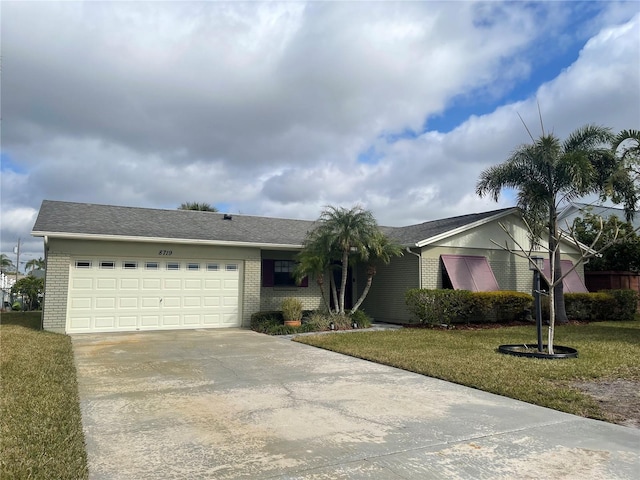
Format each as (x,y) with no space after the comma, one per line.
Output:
(40,428)
(608,364)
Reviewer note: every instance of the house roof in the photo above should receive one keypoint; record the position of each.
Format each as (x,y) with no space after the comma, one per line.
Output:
(84,220)
(575,209)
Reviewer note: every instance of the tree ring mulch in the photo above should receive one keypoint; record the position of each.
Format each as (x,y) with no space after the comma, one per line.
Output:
(531,351)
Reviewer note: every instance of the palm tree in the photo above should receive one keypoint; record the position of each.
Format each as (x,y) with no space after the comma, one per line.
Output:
(548,172)
(343,234)
(203,207)
(6,263)
(33,264)
(626,147)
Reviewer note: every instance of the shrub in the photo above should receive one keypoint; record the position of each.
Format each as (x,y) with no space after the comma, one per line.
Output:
(440,306)
(626,304)
(291,309)
(263,321)
(361,318)
(16,307)
(502,306)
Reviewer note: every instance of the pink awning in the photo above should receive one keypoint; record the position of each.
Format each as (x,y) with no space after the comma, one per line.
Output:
(572,283)
(468,272)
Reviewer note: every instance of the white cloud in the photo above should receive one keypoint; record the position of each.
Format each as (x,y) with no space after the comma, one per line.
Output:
(266,107)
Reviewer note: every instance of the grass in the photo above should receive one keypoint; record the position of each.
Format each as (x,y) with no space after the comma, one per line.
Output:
(40,424)
(606,350)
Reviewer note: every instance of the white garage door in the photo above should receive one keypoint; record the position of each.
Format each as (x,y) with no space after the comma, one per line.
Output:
(125,294)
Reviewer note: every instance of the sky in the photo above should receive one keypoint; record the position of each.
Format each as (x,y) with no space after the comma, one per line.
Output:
(280,109)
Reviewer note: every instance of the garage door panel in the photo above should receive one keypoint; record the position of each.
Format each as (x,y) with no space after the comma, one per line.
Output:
(172,284)
(106,284)
(78,303)
(192,284)
(151,302)
(171,302)
(129,284)
(106,303)
(128,298)
(128,322)
(128,302)
(211,301)
(82,284)
(80,323)
(108,322)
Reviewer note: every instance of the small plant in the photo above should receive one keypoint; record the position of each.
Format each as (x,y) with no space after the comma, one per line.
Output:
(292,309)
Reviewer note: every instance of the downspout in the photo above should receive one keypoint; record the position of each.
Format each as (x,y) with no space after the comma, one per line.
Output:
(408,250)
(44,290)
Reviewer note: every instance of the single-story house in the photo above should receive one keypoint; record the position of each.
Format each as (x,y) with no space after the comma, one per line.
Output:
(112,268)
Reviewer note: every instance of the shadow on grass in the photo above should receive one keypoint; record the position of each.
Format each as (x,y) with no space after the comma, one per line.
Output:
(31,320)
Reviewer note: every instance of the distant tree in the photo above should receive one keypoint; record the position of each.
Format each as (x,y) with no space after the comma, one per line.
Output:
(35,263)
(6,264)
(621,256)
(200,206)
(626,147)
(31,289)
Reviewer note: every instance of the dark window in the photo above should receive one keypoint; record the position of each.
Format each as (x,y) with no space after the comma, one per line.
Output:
(278,273)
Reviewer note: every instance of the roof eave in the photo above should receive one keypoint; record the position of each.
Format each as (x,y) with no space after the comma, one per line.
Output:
(186,241)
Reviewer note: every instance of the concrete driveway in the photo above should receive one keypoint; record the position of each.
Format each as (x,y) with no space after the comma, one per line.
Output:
(229,404)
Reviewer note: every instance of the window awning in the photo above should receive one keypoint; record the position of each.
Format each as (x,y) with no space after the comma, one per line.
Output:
(468,272)
(572,283)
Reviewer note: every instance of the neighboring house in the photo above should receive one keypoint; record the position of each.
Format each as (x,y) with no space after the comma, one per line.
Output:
(575,210)
(6,282)
(113,268)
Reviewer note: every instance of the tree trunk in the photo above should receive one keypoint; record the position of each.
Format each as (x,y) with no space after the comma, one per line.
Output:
(334,293)
(552,306)
(371,271)
(343,281)
(320,282)
(556,268)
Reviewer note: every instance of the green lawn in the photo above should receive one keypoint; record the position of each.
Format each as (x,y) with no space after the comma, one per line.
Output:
(606,350)
(40,425)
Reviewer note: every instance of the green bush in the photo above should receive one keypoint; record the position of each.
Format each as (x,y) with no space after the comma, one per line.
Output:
(16,307)
(603,305)
(462,306)
(361,318)
(272,323)
(501,306)
(626,304)
(434,307)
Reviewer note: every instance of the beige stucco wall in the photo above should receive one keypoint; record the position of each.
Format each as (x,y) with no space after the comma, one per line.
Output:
(60,252)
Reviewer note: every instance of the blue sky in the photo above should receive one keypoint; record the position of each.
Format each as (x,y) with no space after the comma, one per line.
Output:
(282,108)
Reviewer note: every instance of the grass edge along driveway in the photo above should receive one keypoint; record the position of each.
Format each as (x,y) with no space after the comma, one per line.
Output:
(606,350)
(40,421)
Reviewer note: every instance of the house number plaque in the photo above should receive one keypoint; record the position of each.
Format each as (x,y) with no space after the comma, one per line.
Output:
(165,252)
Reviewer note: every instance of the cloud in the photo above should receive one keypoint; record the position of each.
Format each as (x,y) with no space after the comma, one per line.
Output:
(266,107)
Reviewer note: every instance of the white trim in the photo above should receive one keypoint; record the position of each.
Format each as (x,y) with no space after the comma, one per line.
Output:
(187,241)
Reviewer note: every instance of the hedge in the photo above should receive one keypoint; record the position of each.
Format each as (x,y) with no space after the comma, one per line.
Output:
(603,305)
(462,306)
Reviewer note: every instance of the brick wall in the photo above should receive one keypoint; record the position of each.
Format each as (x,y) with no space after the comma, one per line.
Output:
(54,312)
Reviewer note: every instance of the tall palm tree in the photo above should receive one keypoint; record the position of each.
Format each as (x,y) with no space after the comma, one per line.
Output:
(342,234)
(201,206)
(626,147)
(35,263)
(6,263)
(546,173)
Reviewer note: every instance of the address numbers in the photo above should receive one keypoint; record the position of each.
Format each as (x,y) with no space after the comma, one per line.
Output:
(165,253)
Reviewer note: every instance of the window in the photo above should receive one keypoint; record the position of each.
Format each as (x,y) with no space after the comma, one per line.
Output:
(83,263)
(231,267)
(193,266)
(151,265)
(129,265)
(278,273)
(213,267)
(107,264)
(173,266)
(468,272)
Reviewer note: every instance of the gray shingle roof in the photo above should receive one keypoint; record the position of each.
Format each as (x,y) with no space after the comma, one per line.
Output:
(66,218)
